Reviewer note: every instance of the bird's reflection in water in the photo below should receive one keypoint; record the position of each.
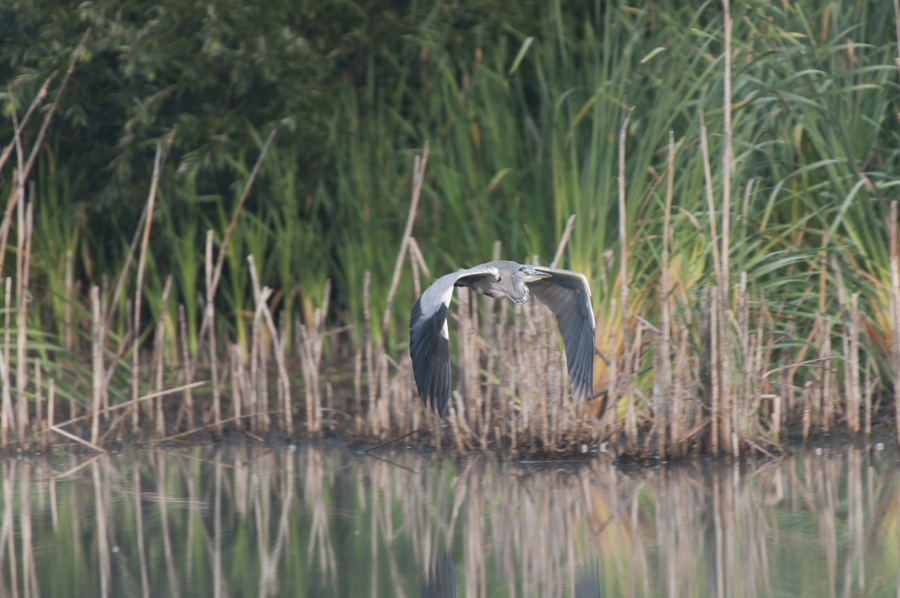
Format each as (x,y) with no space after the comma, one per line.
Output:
(440,582)
(587,584)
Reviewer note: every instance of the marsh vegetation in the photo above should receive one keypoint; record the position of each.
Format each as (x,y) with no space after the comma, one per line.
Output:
(194,198)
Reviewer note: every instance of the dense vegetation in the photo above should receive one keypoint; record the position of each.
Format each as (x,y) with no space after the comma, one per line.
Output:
(521,103)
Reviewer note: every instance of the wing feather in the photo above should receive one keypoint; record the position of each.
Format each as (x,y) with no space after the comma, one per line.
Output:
(568,296)
(429,341)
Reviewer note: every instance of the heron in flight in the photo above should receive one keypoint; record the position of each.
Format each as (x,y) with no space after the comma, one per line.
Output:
(566,293)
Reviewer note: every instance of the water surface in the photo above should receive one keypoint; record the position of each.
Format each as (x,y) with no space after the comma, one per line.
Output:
(326,521)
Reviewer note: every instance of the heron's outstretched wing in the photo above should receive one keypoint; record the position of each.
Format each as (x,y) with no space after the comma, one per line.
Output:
(429,340)
(568,296)
(587,584)
(441,579)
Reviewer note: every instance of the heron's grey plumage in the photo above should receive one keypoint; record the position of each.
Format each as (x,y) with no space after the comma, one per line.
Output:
(566,293)
(440,581)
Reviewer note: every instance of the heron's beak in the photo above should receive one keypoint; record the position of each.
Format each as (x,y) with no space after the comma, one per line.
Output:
(542,275)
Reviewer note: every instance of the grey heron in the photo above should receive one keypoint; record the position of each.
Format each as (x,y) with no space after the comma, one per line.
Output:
(566,293)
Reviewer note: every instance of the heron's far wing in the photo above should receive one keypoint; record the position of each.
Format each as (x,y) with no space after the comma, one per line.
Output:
(587,583)
(429,339)
(440,581)
(568,296)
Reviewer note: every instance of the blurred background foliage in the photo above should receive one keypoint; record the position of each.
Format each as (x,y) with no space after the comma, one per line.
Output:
(521,103)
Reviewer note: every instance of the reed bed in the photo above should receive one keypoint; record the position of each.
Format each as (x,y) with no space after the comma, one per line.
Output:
(701,384)
(747,291)
(159,522)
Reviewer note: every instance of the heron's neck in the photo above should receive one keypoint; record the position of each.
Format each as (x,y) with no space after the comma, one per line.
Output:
(520,291)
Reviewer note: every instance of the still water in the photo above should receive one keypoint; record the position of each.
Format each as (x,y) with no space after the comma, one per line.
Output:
(326,521)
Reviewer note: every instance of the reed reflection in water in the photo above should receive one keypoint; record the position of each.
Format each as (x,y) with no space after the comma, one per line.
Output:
(250,521)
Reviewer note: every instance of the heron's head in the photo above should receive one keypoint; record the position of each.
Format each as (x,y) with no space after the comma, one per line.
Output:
(530,274)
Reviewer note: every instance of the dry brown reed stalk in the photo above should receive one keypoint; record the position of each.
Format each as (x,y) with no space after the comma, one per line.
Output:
(631,430)
(418,179)
(78,439)
(724,280)
(187,406)
(97,360)
(623,268)
(869,387)
(495,361)
(420,260)
(278,341)
(213,280)
(741,425)
(51,400)
(714,370)
(18,188)
(897,31)
(828,385)
(129,404)
(39,423)
(357,393)
(68,331)
(312,338)
(257,369)
(561,246)
(209,314)
(262,381)
(894,292)
(854,400)
(807,410)
(237,383)
(384,406)
(23,261)
(664,352)
(213,425)
(756,378)
(727,151)
(39,140)
(417,284)
(20,126)
(138,294)
(158,348)
(469,378)
(370,369)
(686,413)
(845,340)
(214,275)
(7,419)
(723,417)
(416,258)
(120,283)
